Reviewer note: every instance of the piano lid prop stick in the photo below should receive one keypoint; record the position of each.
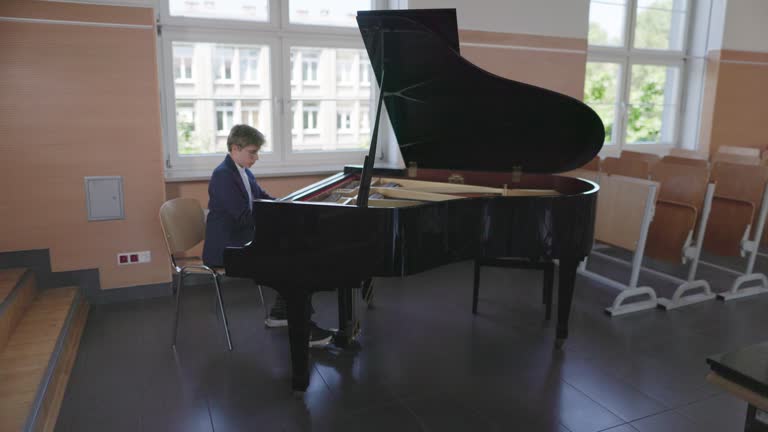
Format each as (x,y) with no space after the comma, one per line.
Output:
(365,177)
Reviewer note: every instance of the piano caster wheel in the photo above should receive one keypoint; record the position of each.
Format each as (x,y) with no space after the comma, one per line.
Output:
(559,343)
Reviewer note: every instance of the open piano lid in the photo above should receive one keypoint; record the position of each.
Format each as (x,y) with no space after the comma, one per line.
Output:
(448,113)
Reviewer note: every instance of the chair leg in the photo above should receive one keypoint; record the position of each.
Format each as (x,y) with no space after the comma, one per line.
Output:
(476,288)
(178,299)
(223,313)
(549,283)
(263,303)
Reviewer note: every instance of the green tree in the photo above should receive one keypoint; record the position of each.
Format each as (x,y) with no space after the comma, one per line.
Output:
(648,82)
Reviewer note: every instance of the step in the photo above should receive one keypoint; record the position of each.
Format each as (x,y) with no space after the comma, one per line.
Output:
(37,360)
(17,289)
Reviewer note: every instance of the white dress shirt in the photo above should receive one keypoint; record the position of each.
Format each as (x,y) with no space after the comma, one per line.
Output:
(247,184)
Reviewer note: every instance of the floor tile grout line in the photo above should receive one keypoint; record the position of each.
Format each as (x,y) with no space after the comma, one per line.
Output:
(626,383)
(422,426)
(210,414)
(590,398)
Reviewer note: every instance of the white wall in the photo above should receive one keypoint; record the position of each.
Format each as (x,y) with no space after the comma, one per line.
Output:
(746,26)
(563,18)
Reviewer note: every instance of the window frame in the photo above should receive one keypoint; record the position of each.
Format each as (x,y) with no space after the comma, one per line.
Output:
(627,56)
(278,35)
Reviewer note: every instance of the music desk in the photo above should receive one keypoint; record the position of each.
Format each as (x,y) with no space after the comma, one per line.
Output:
(744,374)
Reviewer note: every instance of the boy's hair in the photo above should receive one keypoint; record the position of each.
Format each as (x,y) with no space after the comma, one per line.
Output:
(242,136)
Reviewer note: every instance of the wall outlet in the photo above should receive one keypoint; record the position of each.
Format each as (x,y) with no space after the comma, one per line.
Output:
(126,258)
(145,256)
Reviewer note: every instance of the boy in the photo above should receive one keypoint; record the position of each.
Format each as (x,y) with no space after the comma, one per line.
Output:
(231,192)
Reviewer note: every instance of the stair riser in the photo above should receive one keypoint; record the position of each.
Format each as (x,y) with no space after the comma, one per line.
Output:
(45,420)
(15,305)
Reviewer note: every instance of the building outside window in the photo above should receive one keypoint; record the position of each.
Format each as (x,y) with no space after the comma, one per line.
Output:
(225,114)
(182,63)
(238,61)
(309,64)
(223,63)
(249,65)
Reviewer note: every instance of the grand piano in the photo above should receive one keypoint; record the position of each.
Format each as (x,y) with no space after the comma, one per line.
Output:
(480,152)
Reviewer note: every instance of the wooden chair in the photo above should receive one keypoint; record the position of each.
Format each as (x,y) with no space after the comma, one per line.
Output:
(682,189)
(736,223)
(183,224)
(741,151)
(688,154)
(627,167)
(593,165)
(737,158)
(739,194)
(679,225)
(624,213)
(651,158)
(680,160)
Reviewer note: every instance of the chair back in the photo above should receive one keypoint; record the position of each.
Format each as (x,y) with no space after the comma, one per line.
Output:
(741,151)
(685,153)
(628,167)
(679,160)
(741,182)
(648,157)
(183,222)
(681,183)
(736,158)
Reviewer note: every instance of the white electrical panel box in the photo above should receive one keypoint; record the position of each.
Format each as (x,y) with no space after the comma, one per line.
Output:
(104,198)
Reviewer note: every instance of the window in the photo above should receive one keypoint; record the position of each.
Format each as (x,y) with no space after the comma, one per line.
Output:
(301,77)
(335,13)
(223,63)
(310,117)
(309,64)
(249,65)
(635,70)
(185,127)
(365,118)
(365,75)
(244,10)
(224,115)
(182,63)
(344,121)
(344,64)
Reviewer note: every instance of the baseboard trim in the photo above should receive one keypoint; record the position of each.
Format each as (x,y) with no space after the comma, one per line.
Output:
(39,261)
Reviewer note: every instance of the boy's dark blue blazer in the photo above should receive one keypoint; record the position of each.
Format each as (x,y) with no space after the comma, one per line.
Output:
(230,222)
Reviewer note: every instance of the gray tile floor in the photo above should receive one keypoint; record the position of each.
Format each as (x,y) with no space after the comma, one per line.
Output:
(426,363)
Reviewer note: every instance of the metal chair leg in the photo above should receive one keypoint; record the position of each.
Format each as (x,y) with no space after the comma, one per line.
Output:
(223,313)
(263,303)
(176,319)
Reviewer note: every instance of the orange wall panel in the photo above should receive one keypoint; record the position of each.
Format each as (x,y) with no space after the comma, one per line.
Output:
(740,110)
(79,101)
(554,63)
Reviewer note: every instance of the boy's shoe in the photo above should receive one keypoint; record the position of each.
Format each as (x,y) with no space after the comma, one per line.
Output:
(319,337)
(278,317)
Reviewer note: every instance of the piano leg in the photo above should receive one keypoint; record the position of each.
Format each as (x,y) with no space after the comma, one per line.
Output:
(298,304)
(345,336)
(568,268)
(549,283)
